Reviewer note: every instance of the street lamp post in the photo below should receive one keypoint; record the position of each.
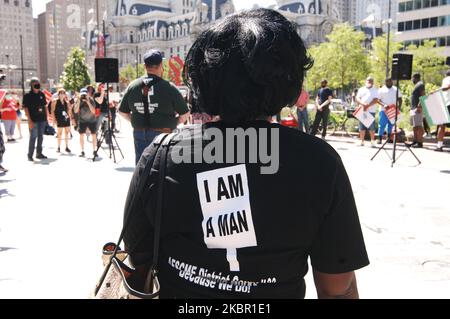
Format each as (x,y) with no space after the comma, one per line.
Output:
(137,61)
(23,69)
(8,67)
(388,39)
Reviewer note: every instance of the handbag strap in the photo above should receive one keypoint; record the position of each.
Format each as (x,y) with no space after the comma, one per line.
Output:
(161,143)
(160,199)
(129,209)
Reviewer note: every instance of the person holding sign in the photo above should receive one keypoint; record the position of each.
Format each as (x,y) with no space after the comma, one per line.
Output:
(442,128)
(367,98)
(388,97)
(225,233)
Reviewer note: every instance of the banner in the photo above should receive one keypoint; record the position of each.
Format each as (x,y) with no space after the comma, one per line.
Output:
(435,108)
(364,117)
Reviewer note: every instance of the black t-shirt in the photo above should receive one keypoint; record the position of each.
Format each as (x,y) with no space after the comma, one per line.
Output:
(324,94)
(230,232)
(418,91)
(36,103)
(104,106)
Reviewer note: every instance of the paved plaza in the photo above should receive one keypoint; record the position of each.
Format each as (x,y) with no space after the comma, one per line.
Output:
(55,216)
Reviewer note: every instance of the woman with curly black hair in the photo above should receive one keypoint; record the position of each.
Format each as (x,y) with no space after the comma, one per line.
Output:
(239,219)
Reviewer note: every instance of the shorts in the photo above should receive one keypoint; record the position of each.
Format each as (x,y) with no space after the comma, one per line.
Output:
(82,128)
(417,119)
(362,127)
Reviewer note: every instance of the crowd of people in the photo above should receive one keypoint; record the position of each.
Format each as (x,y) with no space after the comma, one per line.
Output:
(63,113)
(372,100)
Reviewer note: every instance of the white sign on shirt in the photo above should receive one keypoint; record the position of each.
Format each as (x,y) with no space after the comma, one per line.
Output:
(227,215)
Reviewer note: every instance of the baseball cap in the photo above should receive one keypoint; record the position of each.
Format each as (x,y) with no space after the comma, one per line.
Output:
(34,80)
(153,57)
(83,92)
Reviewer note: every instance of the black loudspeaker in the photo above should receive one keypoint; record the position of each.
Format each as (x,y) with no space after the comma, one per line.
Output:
(402,65)
(106,70)
(447,61)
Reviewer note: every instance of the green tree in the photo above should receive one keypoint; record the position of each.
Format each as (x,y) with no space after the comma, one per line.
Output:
(429,61)
(378,57)
(342,60)
(128,74)
(76,74)
(321,69)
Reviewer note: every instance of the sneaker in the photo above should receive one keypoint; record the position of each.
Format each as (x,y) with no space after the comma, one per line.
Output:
(379,142)
(418,145)
(30,159)
(439,149)
(413,144)
(82,154)
(68,150)
(2,169)
(58,150)
(372,144)
(41,157)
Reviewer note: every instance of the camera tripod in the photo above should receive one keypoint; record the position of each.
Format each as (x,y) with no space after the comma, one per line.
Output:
(394,157)
(108,136)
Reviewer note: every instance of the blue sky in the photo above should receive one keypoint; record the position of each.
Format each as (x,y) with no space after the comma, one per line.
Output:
(39,5)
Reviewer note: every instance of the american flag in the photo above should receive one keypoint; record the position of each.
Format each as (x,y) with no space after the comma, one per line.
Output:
(48,95)
(390,112)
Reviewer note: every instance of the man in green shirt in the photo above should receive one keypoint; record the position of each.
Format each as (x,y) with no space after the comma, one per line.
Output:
(152,105)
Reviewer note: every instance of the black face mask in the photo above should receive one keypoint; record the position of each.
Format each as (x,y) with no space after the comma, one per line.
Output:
(37,86)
